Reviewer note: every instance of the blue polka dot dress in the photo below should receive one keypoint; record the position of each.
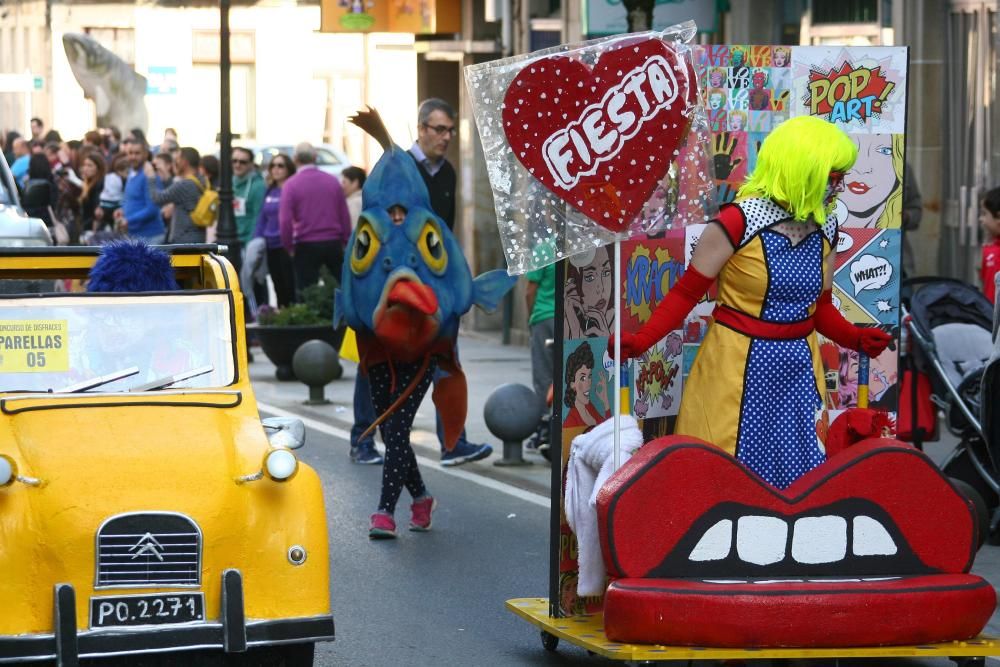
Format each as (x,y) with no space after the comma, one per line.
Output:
(759,396)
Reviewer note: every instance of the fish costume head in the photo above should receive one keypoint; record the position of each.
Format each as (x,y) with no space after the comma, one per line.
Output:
(405,283)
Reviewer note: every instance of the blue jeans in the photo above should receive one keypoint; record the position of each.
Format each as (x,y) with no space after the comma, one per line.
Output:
(364,411)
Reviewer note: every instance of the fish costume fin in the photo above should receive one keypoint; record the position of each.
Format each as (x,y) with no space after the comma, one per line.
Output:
(451,398)
(489,288)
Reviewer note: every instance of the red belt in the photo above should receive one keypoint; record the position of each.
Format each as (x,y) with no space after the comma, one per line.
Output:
(754,327)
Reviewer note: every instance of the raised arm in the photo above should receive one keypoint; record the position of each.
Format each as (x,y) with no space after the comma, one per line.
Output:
(715,247)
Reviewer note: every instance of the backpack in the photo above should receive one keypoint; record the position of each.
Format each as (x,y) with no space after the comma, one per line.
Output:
(206,211)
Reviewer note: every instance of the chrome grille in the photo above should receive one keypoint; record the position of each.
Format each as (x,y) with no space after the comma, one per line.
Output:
(148,549)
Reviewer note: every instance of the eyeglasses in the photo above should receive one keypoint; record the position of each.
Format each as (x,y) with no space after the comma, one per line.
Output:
(443,129)
(237,160)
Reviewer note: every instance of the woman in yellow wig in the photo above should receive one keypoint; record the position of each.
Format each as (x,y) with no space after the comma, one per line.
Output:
(756,385)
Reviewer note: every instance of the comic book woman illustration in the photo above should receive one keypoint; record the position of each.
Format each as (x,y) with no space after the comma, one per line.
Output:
(757,383)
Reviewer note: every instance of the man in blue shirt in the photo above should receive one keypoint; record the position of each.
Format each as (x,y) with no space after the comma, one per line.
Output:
(22,155)
(140,215)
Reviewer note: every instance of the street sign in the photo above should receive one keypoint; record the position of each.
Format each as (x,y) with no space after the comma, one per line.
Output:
(161,80)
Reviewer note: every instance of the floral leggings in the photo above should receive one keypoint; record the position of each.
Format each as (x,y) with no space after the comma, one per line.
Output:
(388,382)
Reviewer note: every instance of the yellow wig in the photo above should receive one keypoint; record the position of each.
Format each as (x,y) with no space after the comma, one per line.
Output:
(794,165)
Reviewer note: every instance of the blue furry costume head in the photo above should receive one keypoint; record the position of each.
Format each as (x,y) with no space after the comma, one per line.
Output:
(131,266)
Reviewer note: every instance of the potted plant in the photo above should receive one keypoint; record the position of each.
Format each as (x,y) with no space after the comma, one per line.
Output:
(281,331)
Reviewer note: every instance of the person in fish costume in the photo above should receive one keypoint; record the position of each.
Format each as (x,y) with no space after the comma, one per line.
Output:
(404,286)
(757,384)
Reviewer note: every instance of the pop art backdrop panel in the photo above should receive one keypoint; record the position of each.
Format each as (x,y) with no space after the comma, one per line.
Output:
(748,91)
(862,90)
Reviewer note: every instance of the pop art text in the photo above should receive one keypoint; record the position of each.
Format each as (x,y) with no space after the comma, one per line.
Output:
(848,93)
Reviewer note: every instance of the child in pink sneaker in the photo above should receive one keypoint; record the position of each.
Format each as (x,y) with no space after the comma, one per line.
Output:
(400,469)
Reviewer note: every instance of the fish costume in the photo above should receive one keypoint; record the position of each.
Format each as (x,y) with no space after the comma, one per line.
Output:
(403,289)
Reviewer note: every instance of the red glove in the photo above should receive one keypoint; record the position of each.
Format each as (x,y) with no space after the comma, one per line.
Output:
(630,346)
(669,315)
(832,324)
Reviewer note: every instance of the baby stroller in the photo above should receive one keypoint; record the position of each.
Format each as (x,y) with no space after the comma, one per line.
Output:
(950,324)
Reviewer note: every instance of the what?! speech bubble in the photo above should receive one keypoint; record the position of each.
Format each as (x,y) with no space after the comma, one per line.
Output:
(870,272)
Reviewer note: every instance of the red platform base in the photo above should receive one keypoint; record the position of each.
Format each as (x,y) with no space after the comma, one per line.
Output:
(821,612)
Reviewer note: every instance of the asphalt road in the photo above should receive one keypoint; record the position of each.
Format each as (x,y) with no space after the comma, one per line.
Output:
(438,598)
(432,598)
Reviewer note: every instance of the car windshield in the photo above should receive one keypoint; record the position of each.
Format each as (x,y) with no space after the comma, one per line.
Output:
(48,343)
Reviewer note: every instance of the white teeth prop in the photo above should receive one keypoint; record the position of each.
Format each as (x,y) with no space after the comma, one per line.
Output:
(761,539)
(871,538)
(827,580)
(819,539)
(715,544)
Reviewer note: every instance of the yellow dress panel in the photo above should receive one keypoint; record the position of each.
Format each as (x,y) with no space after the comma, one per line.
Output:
(713,392)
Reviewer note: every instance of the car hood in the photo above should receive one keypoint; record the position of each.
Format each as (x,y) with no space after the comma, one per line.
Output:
(91,456)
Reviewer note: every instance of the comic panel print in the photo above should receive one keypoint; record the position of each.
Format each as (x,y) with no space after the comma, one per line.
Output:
(866,278)
(860,89)
(585,385)
(656,379)
(650,268)
(873,188)
(587,390)
(588,294)
(840,367)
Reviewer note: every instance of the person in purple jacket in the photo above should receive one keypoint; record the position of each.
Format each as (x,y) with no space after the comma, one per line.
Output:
(279,262)
(313,218)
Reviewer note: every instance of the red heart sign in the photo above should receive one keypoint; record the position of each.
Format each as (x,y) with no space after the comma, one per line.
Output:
(601,138)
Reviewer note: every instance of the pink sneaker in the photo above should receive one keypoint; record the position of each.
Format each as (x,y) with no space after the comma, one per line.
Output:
(420,514)
(383,527)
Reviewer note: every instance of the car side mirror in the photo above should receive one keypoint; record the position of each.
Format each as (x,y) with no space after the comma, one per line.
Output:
(285,432)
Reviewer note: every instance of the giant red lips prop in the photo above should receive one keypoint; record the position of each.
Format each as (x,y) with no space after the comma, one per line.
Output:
(873,547)
(406,318)
(601,138)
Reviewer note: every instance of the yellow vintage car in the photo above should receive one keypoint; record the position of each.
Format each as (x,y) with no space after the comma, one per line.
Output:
(144,506)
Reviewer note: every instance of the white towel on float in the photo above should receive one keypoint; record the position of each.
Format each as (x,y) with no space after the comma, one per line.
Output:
(591,463)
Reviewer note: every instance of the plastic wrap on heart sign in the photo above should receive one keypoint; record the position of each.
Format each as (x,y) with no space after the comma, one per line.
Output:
(588,143)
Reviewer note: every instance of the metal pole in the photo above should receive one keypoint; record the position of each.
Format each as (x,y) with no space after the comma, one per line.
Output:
(226,230)
(618,350)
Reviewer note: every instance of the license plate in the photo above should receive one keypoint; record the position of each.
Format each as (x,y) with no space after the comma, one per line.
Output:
(146,609)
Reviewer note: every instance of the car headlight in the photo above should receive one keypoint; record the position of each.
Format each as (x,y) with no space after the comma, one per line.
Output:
(8,470)
(280,464)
